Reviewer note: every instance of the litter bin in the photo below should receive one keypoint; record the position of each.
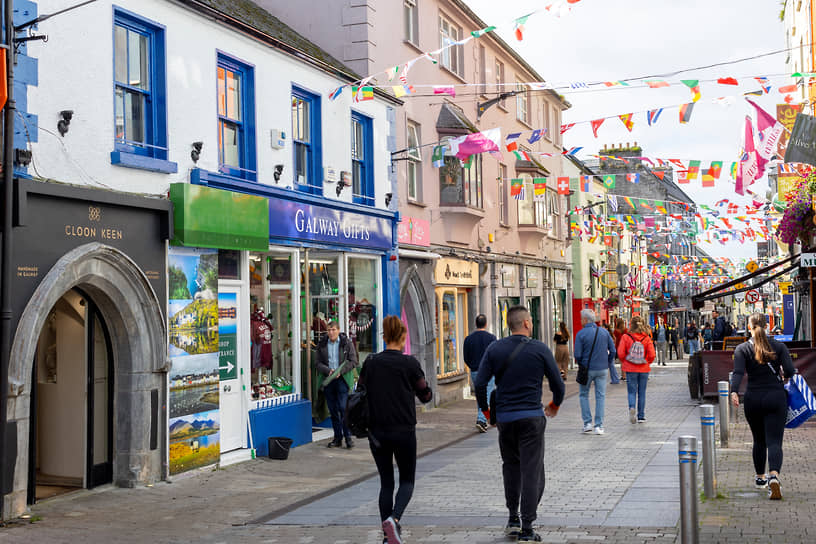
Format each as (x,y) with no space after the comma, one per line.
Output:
(279,447)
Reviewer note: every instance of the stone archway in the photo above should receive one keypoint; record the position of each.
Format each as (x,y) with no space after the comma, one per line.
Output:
(137,328)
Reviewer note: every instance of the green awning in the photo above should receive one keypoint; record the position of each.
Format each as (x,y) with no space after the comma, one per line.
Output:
(207,217)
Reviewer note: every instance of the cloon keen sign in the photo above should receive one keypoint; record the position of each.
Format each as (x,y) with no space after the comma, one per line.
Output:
(456,272)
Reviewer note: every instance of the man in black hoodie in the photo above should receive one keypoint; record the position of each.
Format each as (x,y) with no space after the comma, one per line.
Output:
(473,349)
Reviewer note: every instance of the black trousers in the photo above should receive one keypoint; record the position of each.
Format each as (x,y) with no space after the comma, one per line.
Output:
(521,444)
(336,393)
(399,446)
(673,345)
(766,412)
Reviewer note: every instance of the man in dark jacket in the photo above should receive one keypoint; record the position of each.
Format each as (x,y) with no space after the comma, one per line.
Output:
(473,349)
(519,415)
(719,330)
(337,361)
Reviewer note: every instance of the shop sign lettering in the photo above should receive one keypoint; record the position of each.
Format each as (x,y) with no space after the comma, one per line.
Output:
(456,272)
(415,232)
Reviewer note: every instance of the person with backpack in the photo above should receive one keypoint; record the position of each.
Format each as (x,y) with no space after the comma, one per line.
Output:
(391,381)
(767,363)
(692,336)
(707,336)
(720,330)
(637,352)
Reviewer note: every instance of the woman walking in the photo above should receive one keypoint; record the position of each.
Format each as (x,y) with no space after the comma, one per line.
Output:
(392,379)
(767,363)
(562,357)
(636,352)
(661,336)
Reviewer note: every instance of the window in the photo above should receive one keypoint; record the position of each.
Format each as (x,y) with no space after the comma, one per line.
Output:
(236,118)
(362,159)
(140,104)
(554,219)
(592,276)
(531,212)
(308,162)
(414,163)
(451,57)
(461,185)
(411,21)
(522,104)
(556,130)
(504,208)
(548,132)
(500,82)
(482,76)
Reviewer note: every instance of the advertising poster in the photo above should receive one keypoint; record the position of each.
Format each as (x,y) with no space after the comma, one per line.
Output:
(227,336)
(786,114)
(194,353)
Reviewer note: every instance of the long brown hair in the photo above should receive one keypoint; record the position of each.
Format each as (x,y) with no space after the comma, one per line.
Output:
(393,329)
(762,348)
(638,325)
(620,324)
(564,330)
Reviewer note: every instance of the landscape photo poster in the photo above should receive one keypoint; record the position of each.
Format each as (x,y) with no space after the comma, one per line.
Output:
(193,402)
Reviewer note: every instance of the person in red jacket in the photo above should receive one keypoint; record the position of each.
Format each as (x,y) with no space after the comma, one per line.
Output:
(636,352)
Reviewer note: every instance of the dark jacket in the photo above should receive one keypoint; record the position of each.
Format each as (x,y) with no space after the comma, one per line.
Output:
(691,333)
(347,356)
(719,329)
(761,377)
(672,334)
(474,347)
(392,380)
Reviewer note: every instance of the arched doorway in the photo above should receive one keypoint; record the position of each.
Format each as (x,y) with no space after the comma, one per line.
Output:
(126,308)
(418,318)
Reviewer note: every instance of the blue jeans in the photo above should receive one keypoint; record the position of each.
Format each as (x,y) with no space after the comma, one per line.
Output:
(491,385)
(599,378)
(636,390)
(336,393)
(613,373)
(694,346)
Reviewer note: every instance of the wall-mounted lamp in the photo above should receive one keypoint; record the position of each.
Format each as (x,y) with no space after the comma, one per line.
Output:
(388,197)
(345,181)
(278,172)
(195,154)
(65,122)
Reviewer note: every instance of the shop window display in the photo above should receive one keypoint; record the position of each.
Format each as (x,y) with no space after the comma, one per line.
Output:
(448,333)
(362,305)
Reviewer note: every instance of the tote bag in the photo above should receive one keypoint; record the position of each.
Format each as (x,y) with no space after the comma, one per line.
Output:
(801,403)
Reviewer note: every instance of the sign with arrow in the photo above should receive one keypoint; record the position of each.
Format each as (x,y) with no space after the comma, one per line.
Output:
(227,336)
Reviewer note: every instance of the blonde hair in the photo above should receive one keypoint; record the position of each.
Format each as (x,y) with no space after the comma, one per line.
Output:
(763,352)
(637,325)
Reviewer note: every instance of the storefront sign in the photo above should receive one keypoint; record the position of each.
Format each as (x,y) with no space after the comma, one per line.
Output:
(299,221)
(786,114)
(786,183)
(508,275)
(807,260)
(227,336)
(560,278)
(533,276)
(415,232)
(456,272)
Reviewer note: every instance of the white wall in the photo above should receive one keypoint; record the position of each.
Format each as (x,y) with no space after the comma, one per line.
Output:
(76,73)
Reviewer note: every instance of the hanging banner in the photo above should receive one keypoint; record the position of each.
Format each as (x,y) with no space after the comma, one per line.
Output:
(786,114)
(802,143)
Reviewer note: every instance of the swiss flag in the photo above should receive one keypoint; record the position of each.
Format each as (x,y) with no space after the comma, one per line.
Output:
(563,186)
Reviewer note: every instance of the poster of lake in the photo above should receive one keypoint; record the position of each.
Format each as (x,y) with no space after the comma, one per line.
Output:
(194,384)
(194,441)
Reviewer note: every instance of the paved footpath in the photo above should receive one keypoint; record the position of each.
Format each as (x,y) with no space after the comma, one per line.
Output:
(621,487)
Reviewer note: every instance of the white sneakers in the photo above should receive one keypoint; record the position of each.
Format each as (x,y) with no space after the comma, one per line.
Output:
(632,416)
(599,430)
(587,427)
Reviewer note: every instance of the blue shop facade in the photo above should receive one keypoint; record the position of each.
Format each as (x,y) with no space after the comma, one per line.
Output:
(321,260)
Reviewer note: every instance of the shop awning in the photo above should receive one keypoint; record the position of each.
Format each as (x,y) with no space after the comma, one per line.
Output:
(214,218)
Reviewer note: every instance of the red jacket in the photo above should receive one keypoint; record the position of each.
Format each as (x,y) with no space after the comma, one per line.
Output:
(623,348)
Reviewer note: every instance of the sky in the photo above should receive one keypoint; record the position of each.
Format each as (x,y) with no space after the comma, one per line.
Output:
(603,40)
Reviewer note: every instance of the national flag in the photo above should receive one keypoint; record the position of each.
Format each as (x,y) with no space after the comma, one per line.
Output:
(539,85)
(536,135)
(727,81)
(661,209)
(335,93)
(402,90)
(478,142)
(770,131)
(578,85)
(438,156)
(517,188)
(660,174)
(626,118)
(693,170)
(749,169)
(585,184)
(678,163)
(612,199)
(565,128)
(572,151)
(788,89)
(482,32)
(361,94)
(685,112)
(596,124)
(652,116)
(656,83)
(616,83)
(522,155)
(764,83)
(563,186)
(712,174)
(444,89)
(645,204)
(609,181)
(633,178)
(694,85)
(682,176)
(733,170)
(540,189)
(630,202)
(511,142)
(518,26)
(403,77)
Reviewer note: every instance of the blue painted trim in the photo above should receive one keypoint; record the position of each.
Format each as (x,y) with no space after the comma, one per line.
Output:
(293,420)
(315,186)
(247,147)
(366,196)
(133,160)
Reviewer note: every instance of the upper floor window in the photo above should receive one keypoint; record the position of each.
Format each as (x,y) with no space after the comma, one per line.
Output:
(554,219)
(362,159)
(411,21)
(504,208)
(306,141)
(482,58)
(461,185)
(451,57)
(414,163)
(500,82)
(548,130)
(531,212)
(140,102)
(556,126)
(236,118)
(522,104)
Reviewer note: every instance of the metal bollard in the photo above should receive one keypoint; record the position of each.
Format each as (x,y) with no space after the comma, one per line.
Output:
(709,455)
(722,389)
(687,455)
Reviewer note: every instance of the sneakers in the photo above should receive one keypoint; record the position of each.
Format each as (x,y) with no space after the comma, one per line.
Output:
(632,416)
(587,427)
(761,483)
(642,419)
(599,430)
(335,444)
(481,426)
(392,530)
(774,488)
(513,528)
(528,535)
(349,443)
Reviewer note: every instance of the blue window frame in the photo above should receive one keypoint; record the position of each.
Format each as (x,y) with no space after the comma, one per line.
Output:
(306,140)
(236,118)
(362,163)
(140,92)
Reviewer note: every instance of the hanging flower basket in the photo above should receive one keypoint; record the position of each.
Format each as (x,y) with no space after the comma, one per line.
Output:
(797,220)
(612,301)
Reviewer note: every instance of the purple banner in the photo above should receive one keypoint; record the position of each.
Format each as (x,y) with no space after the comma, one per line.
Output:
(297,221)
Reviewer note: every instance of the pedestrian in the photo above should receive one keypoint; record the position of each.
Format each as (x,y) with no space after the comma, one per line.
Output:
(337,361)
(520,365)
(692,336)
(661,341)
(613,374)
(391,380)
(637,352)
(718,334)
(620,330)
(562,357)
(767,363)
(473,349)
(594,348)
(674,337)
(707,335)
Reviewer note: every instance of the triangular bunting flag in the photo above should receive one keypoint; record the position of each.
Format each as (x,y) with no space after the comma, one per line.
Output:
(626,118)
(596,124)
(694,85)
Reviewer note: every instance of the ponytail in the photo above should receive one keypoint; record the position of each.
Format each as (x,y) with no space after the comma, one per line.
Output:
(762,347)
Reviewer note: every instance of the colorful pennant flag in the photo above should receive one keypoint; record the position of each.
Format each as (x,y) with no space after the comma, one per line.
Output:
(361,94)
(478,142)
(444,89)
(660,174)
(616,83)
(693,170)
(770,131)
(438,156)
(685,112)
(565,128)
(335,93)
(652,116)
(585,184)
(609,181)
(511,142)
(727,81)
(536,135)
(712,174)
(563,185)
(656,83)
(682,176)
(788,89)
(694,85)
(518,26)
(764,83)
(402,90)
(748,170)
(517,189)
(626,118)
(572,151)
(630,202)
(596,124)
(540,189)
(633,177)
(482,32)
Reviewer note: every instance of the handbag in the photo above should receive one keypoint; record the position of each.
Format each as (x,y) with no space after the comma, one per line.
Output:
(801,403)
(500,373)
(582,376)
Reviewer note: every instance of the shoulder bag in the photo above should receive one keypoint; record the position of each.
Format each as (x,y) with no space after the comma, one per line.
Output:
(582,377)
(492,403)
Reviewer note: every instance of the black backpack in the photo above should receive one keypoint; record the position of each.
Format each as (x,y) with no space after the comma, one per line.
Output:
(356,416)
(728,330)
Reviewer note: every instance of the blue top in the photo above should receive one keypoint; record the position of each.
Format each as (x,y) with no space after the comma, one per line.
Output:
(661,334)
(518,392)
(334,353)
(475,345)
(604,352)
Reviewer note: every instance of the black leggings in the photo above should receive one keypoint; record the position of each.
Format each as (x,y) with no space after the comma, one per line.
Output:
(400,446)
(766,412)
